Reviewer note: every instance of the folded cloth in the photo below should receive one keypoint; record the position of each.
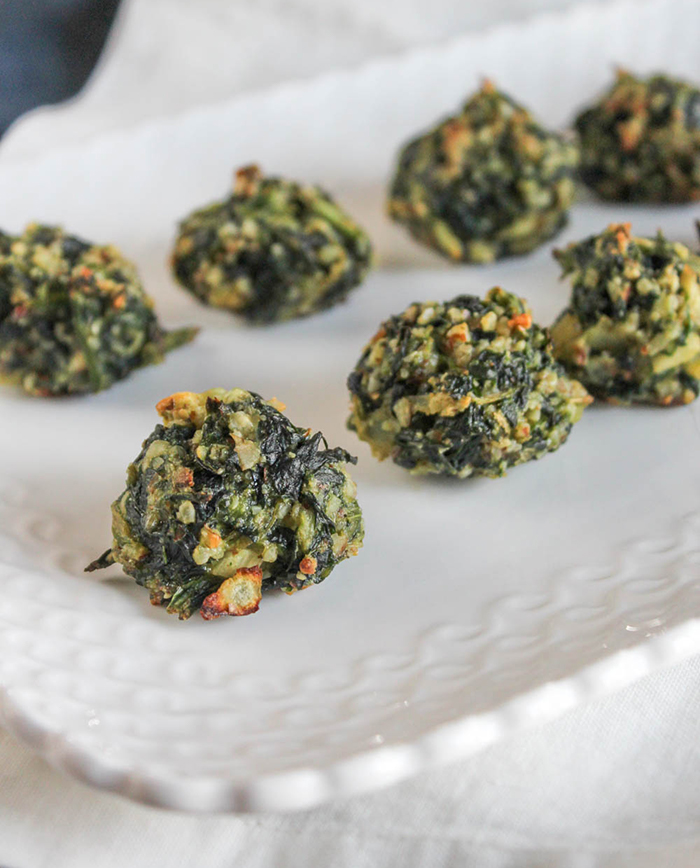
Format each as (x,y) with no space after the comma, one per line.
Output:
(48,50)
(166,56)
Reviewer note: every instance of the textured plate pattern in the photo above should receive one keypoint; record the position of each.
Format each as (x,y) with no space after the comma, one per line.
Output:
(475,609)
(182,722)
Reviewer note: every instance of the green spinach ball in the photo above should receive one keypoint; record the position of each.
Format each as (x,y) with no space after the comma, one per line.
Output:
(461,388)
(487,183)
(228,499)
(641,141)
(274,250)
(631,332)
(74,317)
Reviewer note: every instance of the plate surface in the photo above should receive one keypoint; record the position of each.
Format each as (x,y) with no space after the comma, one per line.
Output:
(475,607)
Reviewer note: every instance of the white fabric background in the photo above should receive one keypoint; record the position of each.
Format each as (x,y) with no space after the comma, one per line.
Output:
(614,784)
(169,55)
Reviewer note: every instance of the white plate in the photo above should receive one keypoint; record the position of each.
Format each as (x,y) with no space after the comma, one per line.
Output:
(475,608)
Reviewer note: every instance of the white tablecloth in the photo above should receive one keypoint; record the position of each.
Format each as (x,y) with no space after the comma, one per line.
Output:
(614,784)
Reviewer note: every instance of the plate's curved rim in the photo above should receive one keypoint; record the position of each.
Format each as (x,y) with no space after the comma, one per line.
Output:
(305,788)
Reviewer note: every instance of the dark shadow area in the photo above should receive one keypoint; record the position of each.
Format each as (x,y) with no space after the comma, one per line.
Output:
(47,50)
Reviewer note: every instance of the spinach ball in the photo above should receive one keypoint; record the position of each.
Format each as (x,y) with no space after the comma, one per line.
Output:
(641,141)
(74,317)
(273,250)
(631,332)
(487,183)
(468,387)
(228,499)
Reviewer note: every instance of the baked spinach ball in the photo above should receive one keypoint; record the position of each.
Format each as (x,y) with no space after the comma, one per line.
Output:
(467,387)
(641,141)
(227,499)
(487,183)
(273,250)
(631,331)
(74,316)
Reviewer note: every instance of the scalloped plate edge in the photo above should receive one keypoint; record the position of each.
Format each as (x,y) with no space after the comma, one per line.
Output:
(305,788)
